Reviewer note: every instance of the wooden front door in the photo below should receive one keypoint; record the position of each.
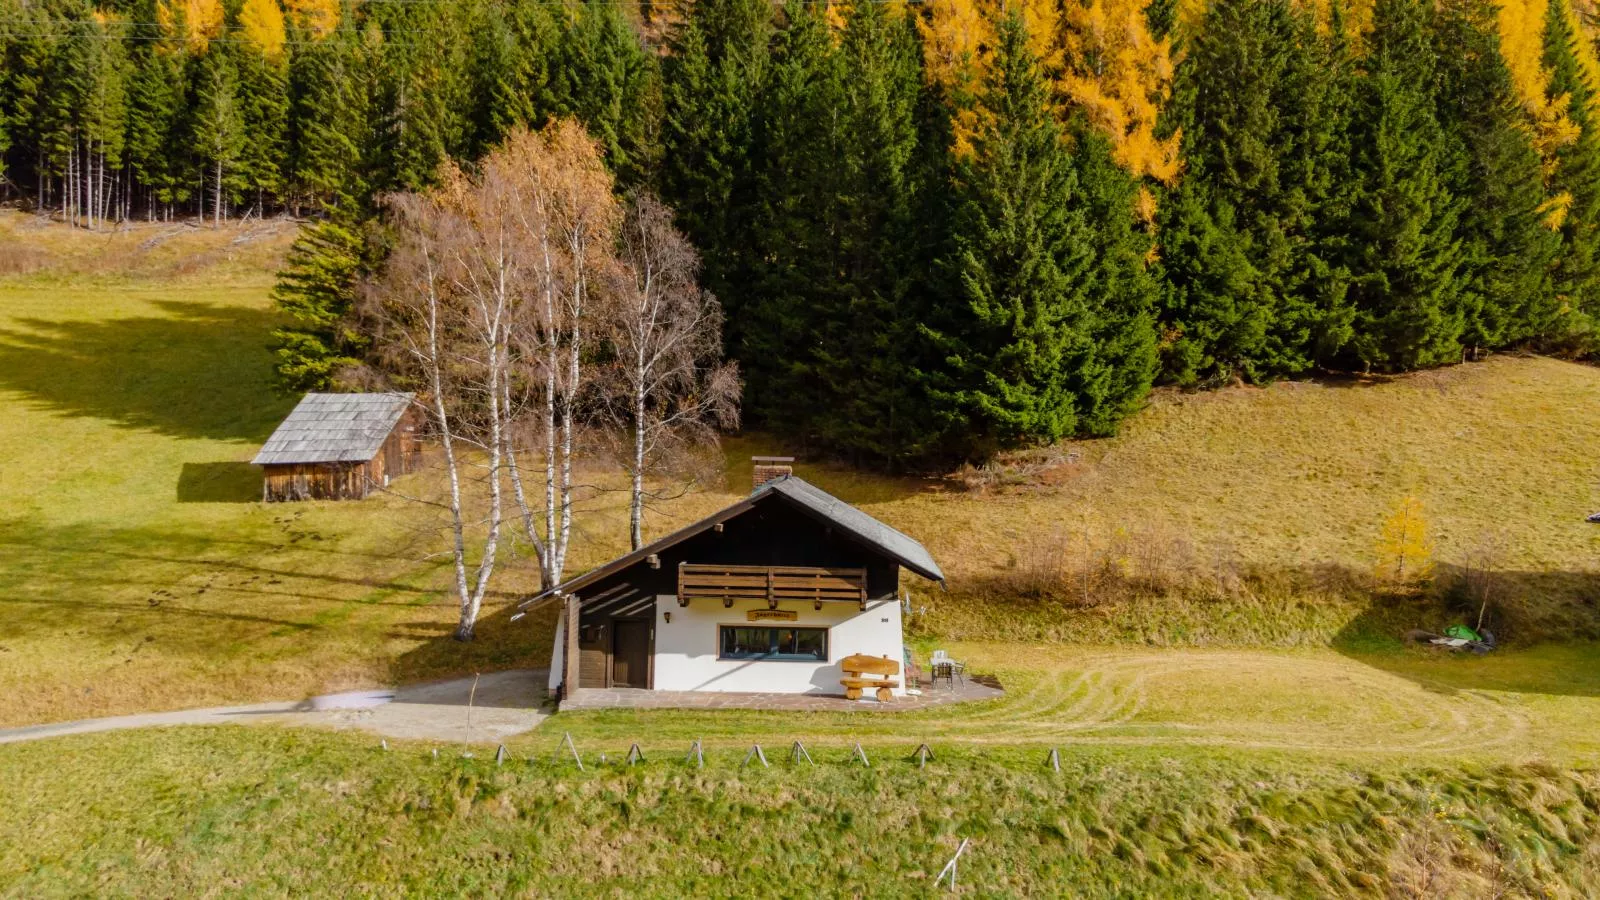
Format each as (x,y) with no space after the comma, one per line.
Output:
(630,654)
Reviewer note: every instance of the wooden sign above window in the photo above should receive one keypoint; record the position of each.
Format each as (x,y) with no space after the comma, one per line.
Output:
(772,615)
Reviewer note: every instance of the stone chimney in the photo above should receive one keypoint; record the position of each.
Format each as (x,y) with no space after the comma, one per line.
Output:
(770,467)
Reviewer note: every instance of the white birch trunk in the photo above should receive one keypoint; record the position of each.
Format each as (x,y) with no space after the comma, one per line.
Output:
(636,506)
(436,387)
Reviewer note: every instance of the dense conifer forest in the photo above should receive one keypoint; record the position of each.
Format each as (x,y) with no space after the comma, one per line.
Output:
(937,230)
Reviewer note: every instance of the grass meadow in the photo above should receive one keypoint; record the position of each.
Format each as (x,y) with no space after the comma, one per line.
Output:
(293,813)
(1186,610)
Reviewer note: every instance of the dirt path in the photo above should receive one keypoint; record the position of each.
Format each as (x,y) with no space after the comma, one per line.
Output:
(501,705)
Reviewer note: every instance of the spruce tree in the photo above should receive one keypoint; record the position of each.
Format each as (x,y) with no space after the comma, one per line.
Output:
(1492,166)
(863,327)
(513,51)
(1404,253)
(1238,246)
(331,113)
(27,50)
(155,98)
(217,131)
(792,271)
(9,12)
(421,106)
(1576,176)
(264,118)
(1161,17)
(1212,315)
(605,79)
(1121,290)
(1014,338)
(317,291)
(713,80)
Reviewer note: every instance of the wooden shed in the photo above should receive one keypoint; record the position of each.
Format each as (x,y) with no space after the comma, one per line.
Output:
(341,447)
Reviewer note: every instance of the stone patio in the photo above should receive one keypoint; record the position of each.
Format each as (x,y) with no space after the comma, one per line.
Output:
(981,687)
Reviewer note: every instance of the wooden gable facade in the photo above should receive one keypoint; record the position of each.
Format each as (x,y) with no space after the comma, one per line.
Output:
(773,537)
(787,548)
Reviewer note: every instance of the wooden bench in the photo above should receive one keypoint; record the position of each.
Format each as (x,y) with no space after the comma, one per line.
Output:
(869,673)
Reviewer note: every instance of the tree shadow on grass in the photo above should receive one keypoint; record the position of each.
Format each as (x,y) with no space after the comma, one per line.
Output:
(500,644)
(219,482)
(1547,624)
(196,371)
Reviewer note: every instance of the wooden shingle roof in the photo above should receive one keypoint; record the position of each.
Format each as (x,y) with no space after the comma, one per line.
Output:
(326,428)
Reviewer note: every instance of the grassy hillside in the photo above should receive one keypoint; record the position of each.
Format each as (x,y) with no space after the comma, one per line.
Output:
(1252,515)
(173,813)
(1289,746)
(140,572)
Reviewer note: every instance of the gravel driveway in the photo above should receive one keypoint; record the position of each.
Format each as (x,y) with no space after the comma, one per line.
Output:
(503,704)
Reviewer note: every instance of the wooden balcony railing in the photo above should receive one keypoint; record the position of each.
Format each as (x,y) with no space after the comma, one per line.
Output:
(773,584)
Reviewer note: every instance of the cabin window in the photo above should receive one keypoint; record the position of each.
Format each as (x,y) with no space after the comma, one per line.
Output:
(783,643)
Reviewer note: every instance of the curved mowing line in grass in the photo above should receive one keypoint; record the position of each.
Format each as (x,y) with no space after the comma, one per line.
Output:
(1118,699)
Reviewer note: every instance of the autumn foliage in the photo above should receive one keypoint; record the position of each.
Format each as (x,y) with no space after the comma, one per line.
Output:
(1099,56)
(1405,552)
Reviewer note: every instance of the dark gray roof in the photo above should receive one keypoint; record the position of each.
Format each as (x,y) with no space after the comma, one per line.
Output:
(903,548)
(842,515)
(334,428)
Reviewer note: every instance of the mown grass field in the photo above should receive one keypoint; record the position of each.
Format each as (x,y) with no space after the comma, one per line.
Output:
(1533,706)
(293,813)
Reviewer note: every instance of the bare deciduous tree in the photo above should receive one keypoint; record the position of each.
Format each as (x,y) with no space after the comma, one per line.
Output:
(484,304)
(502,289)
(570,217)
(449,344)
(673,391)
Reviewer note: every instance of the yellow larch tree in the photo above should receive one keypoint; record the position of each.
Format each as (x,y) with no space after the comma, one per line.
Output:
(195,22)
(1521,25)
(261,25)
(1405,554)
(1119,75)
(317,17)
(959,38)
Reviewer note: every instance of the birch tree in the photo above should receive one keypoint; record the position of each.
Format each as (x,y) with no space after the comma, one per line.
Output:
(432,340)
(503,290)
(568,218)
(674,390)
(485,306)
